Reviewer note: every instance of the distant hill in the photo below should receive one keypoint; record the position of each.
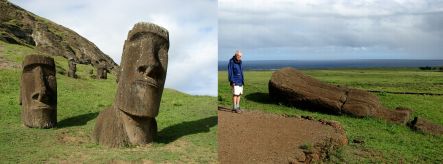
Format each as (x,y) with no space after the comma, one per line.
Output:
(18,26)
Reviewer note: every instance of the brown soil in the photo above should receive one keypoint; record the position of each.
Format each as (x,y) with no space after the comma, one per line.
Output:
(257,137)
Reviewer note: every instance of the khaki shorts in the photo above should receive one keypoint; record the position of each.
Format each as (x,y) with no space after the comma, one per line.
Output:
(237,90)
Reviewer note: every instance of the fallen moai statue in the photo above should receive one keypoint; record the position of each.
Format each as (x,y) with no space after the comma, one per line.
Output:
(131,120)
(294,88)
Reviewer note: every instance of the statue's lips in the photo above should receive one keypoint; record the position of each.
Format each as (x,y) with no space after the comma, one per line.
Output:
(41,107)
(147,81)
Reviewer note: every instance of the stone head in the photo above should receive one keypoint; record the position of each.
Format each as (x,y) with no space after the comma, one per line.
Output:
(38,90)
(143,70)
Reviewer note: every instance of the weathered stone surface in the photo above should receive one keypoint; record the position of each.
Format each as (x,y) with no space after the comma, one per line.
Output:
(102,70)
(140,86)
(144,64)
(115,128)
(38,92)
(293,88)
(72,68)
(425,126)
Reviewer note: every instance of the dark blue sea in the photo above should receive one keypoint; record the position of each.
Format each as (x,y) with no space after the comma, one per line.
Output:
(325,64)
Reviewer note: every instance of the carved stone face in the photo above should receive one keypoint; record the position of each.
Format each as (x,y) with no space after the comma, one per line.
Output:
(38,93)
(143,70)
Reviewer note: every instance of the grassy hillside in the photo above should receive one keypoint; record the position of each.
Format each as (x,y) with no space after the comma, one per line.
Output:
(19,26)
(187,124)
(383,142)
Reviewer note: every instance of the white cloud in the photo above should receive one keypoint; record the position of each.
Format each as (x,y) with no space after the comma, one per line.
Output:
(306,29)
(192,27)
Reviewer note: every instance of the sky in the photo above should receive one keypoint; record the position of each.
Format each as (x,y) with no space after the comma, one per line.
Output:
(330,29)
(192,26)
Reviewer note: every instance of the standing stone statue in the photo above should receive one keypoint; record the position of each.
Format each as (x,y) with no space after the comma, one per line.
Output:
(38,92)
(102,70)
(131,120)
(72,68)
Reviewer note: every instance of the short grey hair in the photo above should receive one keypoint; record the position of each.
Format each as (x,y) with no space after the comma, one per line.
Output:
(237,52)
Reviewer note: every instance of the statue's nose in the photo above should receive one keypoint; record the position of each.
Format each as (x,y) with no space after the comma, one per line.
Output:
(148,70)
(40,93)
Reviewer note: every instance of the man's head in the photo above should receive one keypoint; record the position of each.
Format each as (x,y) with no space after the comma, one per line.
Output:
(238,55)
(143,70)
(38,91)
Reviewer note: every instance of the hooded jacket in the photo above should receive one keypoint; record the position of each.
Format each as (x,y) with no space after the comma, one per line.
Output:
(235,72)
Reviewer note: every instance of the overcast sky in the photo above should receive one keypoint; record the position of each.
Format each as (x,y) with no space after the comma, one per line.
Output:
(192,26)
(328,29)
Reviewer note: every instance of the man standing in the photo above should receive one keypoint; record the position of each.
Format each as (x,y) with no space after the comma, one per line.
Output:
(235,76)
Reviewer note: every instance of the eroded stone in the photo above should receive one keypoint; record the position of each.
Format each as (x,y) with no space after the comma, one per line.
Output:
(38,92)
(140,86)
(292,87)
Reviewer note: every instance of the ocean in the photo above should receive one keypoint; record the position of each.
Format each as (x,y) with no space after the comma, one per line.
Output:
(325,64)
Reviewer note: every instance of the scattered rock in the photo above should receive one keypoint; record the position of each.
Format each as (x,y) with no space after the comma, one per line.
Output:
(307,117)
(425,126)
(358,141)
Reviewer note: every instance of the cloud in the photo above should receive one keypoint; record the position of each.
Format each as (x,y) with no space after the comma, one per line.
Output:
(192,26)
(317,29)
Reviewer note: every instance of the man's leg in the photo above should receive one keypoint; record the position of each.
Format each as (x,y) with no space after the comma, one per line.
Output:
(235,100)
(240,92)
(238,102)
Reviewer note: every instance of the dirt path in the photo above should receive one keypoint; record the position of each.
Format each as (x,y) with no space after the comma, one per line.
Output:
(256,137)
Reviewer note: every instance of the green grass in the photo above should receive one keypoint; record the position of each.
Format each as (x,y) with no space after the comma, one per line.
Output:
(384,142)
(187,124)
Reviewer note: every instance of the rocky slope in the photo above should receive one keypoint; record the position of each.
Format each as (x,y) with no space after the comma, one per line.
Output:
(19,26)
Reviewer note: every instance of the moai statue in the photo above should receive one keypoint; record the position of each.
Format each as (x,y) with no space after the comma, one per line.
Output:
(102,70)
(72,68)
(131,120)
(294,88)
(38,92)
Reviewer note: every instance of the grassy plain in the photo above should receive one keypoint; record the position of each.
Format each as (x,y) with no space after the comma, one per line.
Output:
(187,124)
(383,142)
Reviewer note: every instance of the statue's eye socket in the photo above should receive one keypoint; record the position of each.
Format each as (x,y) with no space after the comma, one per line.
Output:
(137,36)
(29,68)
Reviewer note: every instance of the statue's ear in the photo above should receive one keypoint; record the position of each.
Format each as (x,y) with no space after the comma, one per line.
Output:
(20,94)
(20,98)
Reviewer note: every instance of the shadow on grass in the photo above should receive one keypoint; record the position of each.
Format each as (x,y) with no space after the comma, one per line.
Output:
(176,131)
(264,98)
(77,120)
(260,98)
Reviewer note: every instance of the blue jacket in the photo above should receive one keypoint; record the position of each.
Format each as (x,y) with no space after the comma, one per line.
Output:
(235,72)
